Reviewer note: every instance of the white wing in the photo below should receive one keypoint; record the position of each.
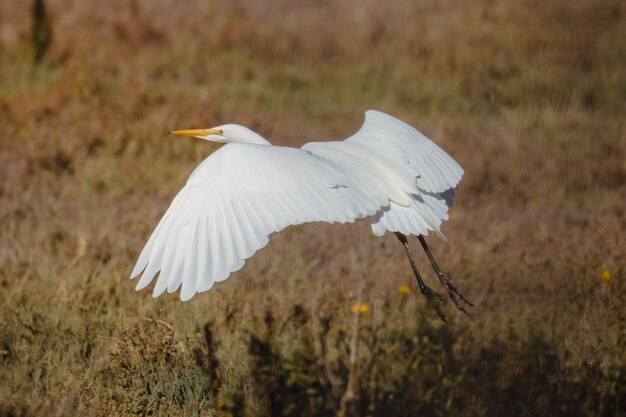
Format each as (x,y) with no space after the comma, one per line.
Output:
(419,177)
(233,201)
(434,171)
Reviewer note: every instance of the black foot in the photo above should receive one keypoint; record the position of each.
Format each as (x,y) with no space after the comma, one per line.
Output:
(457,298)
(434,299)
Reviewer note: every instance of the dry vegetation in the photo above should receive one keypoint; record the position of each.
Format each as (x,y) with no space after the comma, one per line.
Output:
(529,96)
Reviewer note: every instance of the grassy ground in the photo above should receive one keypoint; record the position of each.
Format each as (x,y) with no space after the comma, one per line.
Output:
(529,96)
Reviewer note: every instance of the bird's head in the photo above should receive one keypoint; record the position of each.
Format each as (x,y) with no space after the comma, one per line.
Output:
(230,133)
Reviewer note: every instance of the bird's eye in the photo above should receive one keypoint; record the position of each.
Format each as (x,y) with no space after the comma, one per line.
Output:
(220,131)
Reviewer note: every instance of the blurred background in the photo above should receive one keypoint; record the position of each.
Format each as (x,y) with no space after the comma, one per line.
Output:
(529,96)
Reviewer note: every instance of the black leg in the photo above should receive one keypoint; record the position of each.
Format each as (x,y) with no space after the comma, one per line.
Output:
(453,293)
(434,298)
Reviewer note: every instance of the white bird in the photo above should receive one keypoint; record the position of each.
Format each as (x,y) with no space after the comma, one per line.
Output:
(249,189)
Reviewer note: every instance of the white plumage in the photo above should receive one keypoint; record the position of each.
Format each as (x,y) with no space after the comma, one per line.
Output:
(249,189)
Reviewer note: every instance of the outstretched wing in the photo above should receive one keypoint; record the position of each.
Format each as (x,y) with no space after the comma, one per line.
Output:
(419,177)
(233,201)
(433,170)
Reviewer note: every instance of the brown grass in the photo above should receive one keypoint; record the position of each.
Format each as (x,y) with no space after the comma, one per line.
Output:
(530,98)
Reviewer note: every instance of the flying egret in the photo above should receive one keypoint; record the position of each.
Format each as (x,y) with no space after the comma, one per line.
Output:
(249,189)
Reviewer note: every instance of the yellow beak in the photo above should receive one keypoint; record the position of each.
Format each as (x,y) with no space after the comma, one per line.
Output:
(198,133)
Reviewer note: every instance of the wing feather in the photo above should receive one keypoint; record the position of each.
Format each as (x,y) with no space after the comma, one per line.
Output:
(233,201)
(204,254)
(190,266)
(412,172)
(409,147)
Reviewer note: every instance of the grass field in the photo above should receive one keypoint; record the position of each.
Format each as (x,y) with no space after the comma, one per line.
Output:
(529,96)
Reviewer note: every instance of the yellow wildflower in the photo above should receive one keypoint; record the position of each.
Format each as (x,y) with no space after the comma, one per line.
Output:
(404,289)
(605,275)
(360,308)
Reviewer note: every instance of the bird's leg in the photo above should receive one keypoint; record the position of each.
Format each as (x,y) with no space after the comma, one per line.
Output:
(434,298)
(453,293)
